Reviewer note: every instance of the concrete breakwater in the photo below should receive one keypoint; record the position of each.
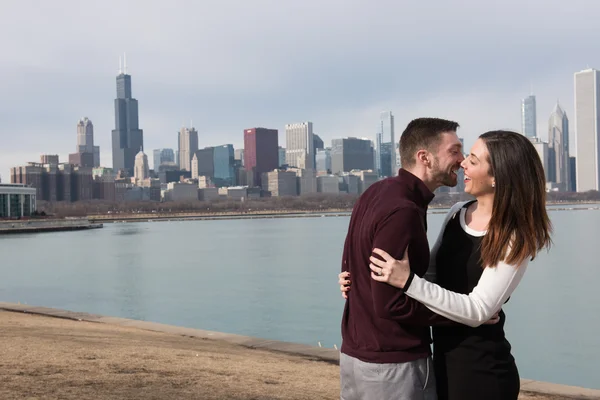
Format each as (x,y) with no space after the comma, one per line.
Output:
(530,389)
(46,225)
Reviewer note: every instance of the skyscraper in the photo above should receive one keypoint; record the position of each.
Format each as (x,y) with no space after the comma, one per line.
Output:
(573,172)
(587,124)
(142,170)
(281,152)
(162,156)
(194,166)
(351,153)
(206,162)
(85,140)
(223,159)
(127,137)
(299,146)
(280,183)
(528,117)
(542,149)
(317,145)
(260,152)
(317,142)
(49,159)
(558,149)
(324,161)
(188,145)
(386,152)
(385,160)
(239,155)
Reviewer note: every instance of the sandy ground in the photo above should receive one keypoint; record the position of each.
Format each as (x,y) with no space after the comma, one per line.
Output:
(51,358)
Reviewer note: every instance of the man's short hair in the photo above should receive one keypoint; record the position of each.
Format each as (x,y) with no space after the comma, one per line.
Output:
(422,133)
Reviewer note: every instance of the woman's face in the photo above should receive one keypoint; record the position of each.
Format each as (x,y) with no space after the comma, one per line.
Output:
(478,180)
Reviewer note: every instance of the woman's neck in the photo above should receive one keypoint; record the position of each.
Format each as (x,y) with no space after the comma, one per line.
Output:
(484,205)
(479,213)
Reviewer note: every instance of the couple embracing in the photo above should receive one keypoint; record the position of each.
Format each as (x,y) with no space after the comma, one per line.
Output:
(396,288)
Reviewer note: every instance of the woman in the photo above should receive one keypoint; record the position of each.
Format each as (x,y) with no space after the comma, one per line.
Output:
(477,261)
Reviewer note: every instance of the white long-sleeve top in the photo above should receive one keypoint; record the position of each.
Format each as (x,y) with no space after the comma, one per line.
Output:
(493,289)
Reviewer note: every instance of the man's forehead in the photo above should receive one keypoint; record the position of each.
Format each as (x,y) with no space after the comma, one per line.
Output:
(450,139)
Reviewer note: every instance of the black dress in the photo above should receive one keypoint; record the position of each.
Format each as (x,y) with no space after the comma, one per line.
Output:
(470,363)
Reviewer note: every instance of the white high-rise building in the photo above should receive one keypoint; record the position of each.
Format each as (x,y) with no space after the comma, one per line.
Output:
(188,146)
(141,169)
(386,162)
(558,149)
(194,166)
(542,149)
(528,117)
(299,146)
(587,125)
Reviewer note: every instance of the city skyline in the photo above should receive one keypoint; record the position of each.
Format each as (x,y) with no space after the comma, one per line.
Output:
(50,88)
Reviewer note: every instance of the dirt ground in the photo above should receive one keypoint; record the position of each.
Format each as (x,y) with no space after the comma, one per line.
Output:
(50,358)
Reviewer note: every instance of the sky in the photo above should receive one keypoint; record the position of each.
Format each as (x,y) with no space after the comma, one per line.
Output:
(227,65)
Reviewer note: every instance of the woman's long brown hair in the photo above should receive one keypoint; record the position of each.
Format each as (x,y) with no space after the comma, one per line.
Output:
(519,227)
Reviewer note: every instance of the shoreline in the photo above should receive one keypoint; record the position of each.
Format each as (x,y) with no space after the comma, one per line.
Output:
(23,226)
(227,215)
(316,354)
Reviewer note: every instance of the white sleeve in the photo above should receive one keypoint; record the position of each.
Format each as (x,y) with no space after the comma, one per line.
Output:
(493,289)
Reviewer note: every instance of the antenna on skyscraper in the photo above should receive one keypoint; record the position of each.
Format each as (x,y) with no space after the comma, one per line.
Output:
(125,63)
(191,123)
(120,66)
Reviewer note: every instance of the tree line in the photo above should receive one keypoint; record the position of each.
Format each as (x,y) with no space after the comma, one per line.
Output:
(311,202)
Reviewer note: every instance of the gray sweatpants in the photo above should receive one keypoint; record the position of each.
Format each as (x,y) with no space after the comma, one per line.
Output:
(413,380)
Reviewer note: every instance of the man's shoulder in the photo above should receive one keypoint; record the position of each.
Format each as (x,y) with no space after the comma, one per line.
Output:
(386,197)
(385,186)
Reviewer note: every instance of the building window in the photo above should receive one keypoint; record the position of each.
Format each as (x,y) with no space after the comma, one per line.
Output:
(3,205)
(27,205)
(15,205)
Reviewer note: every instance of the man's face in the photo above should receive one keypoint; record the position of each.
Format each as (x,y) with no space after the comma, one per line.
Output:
(447,160)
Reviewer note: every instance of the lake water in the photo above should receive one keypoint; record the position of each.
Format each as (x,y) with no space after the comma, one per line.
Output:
(277,279)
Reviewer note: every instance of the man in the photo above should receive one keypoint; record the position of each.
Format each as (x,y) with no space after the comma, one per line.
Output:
(386,339)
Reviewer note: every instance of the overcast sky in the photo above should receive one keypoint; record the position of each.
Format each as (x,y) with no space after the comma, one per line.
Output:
(234,64)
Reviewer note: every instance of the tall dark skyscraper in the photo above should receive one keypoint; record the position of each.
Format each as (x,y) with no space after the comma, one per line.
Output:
(261,152)
(351,153)
(127,137)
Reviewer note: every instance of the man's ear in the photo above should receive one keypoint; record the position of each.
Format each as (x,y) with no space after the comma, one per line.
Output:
(423,157)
